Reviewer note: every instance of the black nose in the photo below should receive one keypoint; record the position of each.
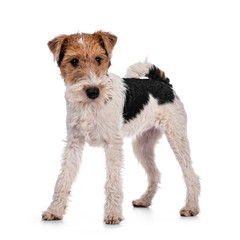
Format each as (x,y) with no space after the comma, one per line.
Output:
(92,92)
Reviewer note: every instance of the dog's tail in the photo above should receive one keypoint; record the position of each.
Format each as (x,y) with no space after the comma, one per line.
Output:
(146,69)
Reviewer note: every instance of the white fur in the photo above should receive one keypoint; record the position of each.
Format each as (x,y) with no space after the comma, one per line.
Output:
(100,123)
(81,41)
(138,70)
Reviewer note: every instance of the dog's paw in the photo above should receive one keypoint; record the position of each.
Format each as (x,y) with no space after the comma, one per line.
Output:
(141,203)
(47,216)
(187,212)
(112,220)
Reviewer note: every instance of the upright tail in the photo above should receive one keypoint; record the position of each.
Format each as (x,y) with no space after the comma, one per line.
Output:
(146,69)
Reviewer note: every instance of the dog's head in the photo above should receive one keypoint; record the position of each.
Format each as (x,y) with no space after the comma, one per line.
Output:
(84,60)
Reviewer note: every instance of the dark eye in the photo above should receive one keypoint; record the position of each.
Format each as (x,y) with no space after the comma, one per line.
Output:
(74,62)
(98,60)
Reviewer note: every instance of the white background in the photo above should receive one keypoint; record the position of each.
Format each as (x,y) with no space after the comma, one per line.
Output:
(196,43)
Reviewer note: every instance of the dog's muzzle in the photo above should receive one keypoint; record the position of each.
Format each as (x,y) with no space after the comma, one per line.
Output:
(92,92)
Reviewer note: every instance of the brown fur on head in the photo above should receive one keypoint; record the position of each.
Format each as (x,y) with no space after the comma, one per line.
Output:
(78,55)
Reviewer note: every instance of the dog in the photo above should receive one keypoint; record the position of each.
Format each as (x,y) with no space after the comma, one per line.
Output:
(102,108)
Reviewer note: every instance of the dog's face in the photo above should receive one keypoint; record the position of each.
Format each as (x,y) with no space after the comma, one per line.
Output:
(84,60)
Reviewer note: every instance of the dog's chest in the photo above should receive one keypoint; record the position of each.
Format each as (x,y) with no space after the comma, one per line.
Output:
(92,123)
(92,127)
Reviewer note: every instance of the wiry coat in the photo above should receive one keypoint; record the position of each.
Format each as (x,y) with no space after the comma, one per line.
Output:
(126,107)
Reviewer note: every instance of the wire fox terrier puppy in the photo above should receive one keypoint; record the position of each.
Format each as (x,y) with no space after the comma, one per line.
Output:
(102,108)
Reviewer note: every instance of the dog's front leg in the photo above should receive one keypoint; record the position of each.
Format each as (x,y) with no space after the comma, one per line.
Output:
(113,186)
(70,164)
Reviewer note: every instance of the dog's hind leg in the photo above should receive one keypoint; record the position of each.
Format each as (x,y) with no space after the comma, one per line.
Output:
(143,147)
(175,129)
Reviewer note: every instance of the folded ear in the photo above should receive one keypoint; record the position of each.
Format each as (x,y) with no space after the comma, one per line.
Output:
(57,47)
(107,40)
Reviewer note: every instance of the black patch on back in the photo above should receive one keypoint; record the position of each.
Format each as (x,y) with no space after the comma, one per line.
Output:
(155,73)
(138,90)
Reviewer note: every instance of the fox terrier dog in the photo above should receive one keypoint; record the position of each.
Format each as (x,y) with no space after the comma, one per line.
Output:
(102,108)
